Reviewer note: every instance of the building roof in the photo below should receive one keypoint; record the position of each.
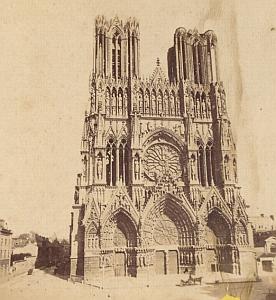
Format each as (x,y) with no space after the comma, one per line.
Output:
(4,227)
(267,255)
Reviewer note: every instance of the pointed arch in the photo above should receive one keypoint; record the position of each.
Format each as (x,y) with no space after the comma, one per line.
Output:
(119,230)
(218,228)
(209,162)
(168,222)
(167,135)
(92,236)
(201,162)
(111,157)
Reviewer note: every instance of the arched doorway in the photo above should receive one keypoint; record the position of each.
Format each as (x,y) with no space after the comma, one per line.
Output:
(168,229)
(219,250)
(124,239)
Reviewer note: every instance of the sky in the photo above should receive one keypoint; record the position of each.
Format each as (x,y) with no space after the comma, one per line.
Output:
(45,62)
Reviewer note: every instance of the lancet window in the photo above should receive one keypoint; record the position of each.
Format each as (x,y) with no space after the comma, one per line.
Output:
(206,163)
(123,161)
(117,158)
(111,163)
(116,56)
(198,63)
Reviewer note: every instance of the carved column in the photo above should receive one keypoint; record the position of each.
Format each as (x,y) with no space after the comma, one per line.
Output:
(117,165)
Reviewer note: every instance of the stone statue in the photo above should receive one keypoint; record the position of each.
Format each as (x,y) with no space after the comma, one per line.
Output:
(197,108)
(203,109)
(226,171)
(120,102)
(136,168)
(99,168)
(208,107)
(193,171)
(113,108)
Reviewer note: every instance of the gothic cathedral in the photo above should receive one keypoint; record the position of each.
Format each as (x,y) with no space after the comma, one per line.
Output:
(159,188)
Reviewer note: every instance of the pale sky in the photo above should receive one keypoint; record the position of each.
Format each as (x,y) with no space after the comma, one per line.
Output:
(45,61)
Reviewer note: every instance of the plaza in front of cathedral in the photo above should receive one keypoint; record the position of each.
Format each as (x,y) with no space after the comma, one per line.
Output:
(43,284)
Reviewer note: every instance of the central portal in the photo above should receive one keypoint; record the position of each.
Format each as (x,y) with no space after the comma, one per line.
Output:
(165,235)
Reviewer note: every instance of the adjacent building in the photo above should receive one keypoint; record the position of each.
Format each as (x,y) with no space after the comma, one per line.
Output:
(266,260)
(263,223)
(158,192)
(5,248)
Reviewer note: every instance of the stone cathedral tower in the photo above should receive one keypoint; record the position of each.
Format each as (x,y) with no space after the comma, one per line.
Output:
(159,188)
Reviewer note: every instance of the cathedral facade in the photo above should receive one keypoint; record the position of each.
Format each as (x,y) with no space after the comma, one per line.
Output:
(159,190)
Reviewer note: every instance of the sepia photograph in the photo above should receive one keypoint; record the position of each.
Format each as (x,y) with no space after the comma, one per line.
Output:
(138,149)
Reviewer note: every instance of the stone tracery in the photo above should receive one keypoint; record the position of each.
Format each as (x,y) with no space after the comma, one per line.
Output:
(160,160)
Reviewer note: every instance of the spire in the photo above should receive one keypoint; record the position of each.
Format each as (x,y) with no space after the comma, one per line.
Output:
(158,74)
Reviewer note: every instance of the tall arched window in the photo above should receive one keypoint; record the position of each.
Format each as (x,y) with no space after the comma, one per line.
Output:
(119,59)
(201,164)
(200,63)
(209,164)
(123,162)
(195,63)
(134,54)
(116,55)
(111,163)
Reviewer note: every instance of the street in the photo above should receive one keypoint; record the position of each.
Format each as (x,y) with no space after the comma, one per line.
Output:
(44,285)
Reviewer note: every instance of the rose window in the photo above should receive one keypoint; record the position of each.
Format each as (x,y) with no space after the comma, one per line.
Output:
(161,160)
